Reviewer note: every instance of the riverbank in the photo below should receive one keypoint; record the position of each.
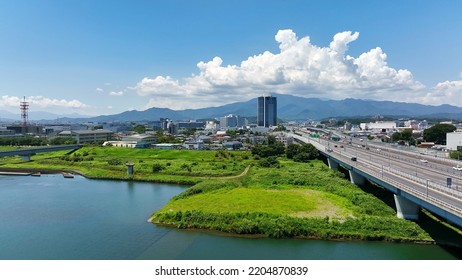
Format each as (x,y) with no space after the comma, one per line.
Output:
(297,200)
(175,166)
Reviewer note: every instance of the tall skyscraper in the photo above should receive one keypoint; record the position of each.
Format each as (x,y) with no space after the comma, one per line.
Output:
(267,114)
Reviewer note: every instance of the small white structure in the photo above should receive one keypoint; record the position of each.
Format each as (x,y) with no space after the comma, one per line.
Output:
(120,144)
(167,146)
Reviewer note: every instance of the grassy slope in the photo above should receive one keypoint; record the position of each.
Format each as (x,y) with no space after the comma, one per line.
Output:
(297,199)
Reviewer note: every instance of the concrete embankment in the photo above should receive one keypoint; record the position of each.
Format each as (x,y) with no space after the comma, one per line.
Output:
(15,173)
(36,172)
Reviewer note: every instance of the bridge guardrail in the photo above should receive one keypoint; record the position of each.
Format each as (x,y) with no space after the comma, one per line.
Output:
(419,194)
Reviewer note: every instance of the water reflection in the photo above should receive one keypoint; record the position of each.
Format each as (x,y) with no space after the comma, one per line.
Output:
(50,217)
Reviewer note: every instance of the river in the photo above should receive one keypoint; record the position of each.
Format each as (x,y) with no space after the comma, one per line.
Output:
(53,218)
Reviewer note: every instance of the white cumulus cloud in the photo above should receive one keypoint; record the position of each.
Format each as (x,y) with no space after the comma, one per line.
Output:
(116,93)
(299,68)
(448,92)
(37,103)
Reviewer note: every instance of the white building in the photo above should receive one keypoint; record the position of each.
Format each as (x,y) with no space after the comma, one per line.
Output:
(193,145)
(141,140)
(454,140)
(379,126)
(232,121)
(87,136)
(120,144)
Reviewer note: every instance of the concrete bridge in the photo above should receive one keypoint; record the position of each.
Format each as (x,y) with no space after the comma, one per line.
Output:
(28,152)
(417,181)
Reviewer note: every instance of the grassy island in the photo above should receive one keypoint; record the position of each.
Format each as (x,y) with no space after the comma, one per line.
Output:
(231,192)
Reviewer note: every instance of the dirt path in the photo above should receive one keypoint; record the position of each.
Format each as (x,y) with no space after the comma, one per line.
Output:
(237,176)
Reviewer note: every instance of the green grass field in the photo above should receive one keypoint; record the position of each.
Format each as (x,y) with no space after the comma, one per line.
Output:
(185,167)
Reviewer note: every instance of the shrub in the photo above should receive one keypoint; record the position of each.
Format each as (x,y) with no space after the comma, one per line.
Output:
(269,162)
(186,166)
(157,167)
(114,161)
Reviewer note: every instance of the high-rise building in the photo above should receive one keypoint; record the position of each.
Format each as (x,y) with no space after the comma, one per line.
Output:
(232,121)
(267,114)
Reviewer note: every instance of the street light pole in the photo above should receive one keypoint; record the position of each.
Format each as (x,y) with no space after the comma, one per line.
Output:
(427,187)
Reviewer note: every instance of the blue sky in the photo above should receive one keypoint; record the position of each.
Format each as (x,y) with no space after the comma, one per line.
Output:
(106,57)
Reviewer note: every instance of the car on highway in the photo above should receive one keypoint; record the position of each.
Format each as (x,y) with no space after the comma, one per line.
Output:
(458,168)
(424,160)
(354,159)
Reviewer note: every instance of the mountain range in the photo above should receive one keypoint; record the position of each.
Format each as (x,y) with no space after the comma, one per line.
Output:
(289,108)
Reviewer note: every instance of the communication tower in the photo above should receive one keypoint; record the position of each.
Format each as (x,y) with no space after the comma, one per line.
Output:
(24,105)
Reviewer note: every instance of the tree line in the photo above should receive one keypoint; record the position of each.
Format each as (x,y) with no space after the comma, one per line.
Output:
(273,148)
(35,141)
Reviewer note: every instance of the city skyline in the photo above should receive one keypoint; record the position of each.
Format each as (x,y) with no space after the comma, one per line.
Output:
(94,58)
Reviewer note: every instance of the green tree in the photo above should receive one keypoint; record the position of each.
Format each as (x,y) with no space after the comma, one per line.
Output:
(139,129)
(269,162)
(280,128)
(292,150)
(437,133)
(395,137)
(456,154)
(406,135)
(62,141)
(231,132)
(271,148)
(306,152)
(271,140)
(167,139)
(188,131)
(403,136)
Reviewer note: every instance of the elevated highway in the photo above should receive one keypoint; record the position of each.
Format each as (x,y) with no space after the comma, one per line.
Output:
(26,153)
(416,180)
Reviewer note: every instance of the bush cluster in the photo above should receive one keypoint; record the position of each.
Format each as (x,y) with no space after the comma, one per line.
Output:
(114,161)
(280,226)
(157,167)
(77,157)
(269,162)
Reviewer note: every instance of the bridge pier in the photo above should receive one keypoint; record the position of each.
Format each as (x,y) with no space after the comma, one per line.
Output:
(332,163)
(406,209)
(25,157)
(356,179)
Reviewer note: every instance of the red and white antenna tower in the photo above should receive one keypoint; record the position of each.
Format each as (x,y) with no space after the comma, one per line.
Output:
(24,105)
